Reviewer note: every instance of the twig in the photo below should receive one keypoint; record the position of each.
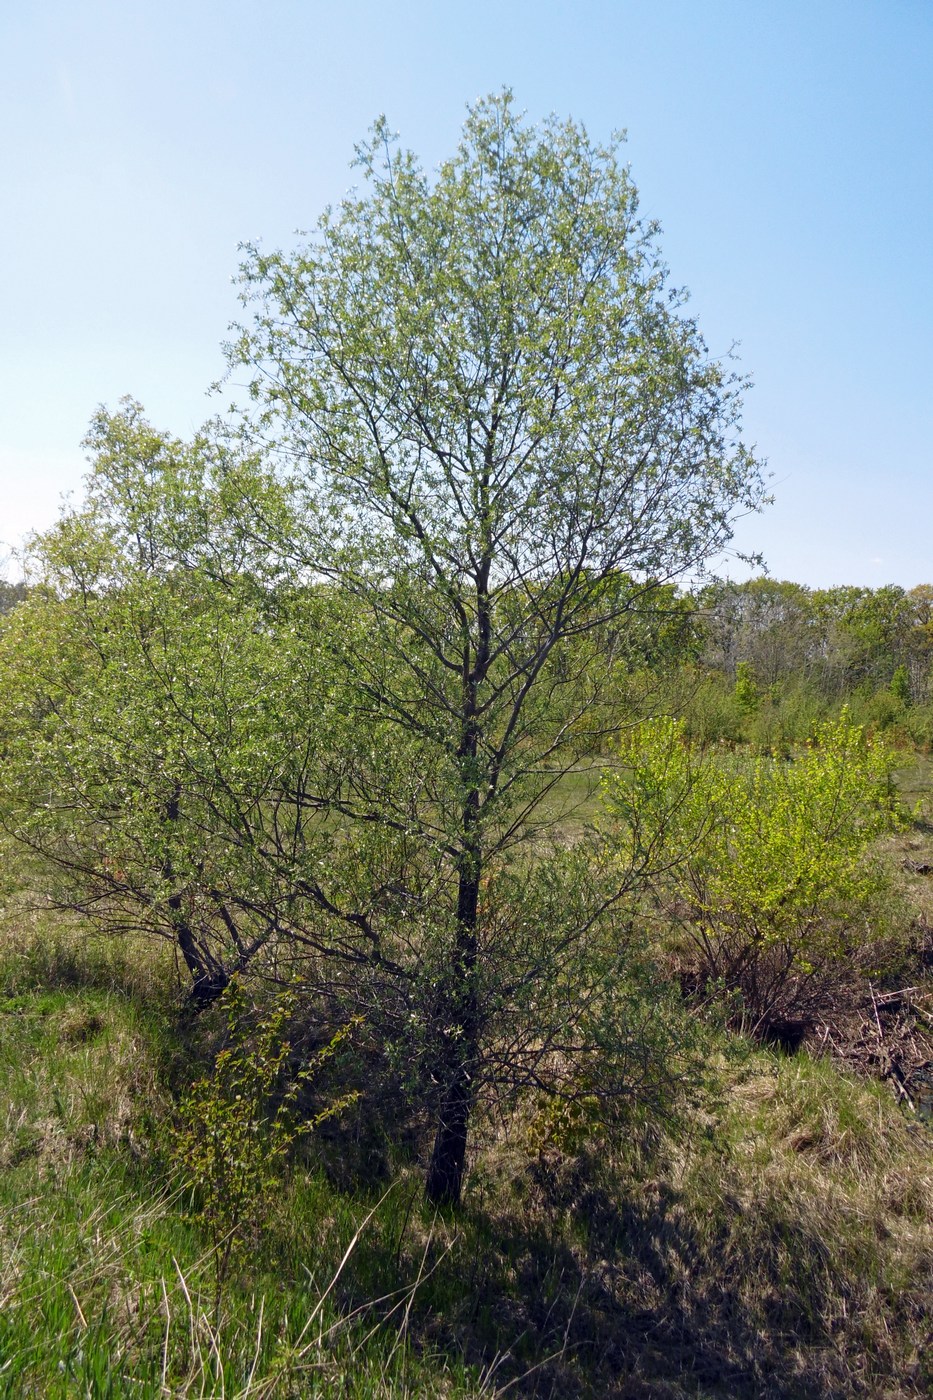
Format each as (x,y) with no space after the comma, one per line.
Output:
(347,1252)
(875,1009)
(168,1327)
(195,1342)
(252,1369)
(899,1086)
(571,1317)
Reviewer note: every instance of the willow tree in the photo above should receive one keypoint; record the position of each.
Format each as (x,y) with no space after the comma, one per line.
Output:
(503,433)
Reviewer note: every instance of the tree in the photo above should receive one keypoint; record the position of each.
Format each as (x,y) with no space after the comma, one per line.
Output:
(900,685)
(501,433)
(10,595)
(155,722)
(747,692)
(874,628)
(766,623)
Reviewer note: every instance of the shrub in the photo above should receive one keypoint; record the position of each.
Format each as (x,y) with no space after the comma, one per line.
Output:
(882,710)
(900,685)
(710,710)
(236,1126)
(747,691)
(765,865)
(920,725)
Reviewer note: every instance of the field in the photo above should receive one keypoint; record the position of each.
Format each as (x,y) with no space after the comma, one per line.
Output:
(777,1240)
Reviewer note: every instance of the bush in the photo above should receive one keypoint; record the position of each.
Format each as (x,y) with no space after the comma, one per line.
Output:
(920,725)
(709,708)
(765,865)
(787,717)
(747,692)
(882,711)
(237,1125)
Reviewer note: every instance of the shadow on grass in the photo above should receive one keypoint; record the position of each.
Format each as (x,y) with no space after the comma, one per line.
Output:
(574,1294)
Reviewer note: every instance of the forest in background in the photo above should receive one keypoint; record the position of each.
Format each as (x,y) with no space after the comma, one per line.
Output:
(763,661)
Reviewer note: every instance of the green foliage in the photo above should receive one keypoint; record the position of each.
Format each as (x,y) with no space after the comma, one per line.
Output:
(900,685)
(10,595)
(298,691)
(640,1065)
(747,693)
(919,723)
(703,700)
(789,715)
(160,721)
(306,693)
(882,711)
(764,863)
(830,641)
(237,1126)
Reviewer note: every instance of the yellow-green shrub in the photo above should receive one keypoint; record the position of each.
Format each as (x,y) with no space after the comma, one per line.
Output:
(765,864)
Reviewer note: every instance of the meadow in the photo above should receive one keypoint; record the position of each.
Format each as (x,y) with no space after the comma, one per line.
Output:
(775,1239)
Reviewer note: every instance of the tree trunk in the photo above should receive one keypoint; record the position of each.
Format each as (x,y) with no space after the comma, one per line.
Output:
(208,977)
(445,1173)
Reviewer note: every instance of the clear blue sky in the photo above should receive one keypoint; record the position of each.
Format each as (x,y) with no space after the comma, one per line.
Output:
(786,148)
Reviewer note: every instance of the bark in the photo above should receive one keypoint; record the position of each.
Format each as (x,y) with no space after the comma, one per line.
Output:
(208,977)
(448,1158)
(445,1173)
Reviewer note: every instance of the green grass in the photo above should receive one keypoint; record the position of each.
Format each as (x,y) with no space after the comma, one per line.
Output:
(915,780)
(779,1244)
(107,1283)
(764,1253)
(575,802)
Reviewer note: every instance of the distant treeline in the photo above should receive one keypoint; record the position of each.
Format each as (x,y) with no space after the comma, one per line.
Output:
(766,660)
(839,639)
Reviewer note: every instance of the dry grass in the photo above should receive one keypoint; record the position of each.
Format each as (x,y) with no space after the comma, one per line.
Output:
(780,1244)
(782,1247)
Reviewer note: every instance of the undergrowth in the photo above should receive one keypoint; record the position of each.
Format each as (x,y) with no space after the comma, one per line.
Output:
(779,1244)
